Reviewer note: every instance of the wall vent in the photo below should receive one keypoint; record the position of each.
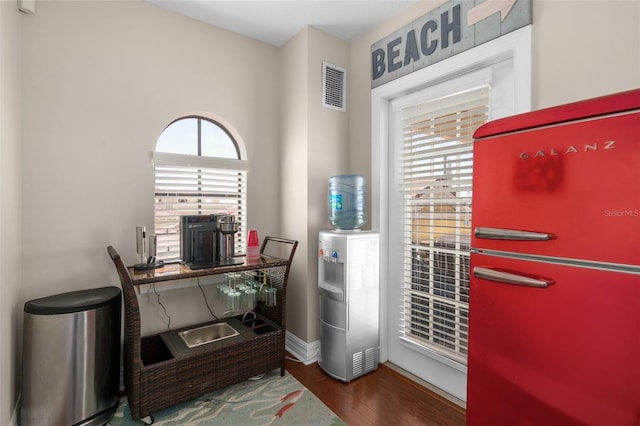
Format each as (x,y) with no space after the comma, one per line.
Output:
(334,82)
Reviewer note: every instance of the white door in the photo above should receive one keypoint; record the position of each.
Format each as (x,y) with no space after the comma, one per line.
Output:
(426,187)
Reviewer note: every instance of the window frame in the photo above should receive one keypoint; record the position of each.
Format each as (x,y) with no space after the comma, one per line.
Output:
(196,167)
(516,45)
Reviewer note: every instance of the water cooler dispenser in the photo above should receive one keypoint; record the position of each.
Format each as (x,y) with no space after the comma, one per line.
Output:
(349,298)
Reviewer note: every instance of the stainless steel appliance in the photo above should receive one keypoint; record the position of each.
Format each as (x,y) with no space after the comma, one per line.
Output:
(554,328)
(348,280)
(227,228)
(71,358)
(146,251)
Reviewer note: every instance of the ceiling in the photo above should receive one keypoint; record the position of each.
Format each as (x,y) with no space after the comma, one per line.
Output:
(275,22)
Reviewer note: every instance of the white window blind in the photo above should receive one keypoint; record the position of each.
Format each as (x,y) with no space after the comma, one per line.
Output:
(437,160)
(197,185)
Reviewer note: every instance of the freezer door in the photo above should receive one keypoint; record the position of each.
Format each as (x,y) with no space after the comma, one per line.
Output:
(560,347)
(574,189)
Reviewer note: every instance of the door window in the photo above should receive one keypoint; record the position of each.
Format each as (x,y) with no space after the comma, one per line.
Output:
(436,163)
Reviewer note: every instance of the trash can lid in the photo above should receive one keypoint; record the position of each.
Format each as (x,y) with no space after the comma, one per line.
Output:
(74,301)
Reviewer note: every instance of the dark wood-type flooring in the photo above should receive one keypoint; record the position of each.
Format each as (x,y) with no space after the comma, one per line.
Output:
(382,397)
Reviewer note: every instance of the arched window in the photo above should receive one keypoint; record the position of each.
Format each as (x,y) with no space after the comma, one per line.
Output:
(199,170)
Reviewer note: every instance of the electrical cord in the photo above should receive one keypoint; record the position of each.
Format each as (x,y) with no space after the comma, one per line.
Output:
(153,285)
(230,313)
(205,299)
(302,362)
(258,377)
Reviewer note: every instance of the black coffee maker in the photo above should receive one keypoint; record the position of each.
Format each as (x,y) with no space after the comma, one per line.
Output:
(198,240)
(208,240)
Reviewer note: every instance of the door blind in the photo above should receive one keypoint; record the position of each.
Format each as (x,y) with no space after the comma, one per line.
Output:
(437,161)
(191,185)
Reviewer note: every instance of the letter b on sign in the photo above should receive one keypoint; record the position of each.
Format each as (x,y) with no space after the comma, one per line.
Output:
(377,63)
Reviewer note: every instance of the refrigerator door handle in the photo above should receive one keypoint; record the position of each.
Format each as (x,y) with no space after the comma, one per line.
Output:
(511,234)
(510,278)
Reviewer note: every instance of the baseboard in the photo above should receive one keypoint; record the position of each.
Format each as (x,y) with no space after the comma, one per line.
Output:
(307,353)
(444,394)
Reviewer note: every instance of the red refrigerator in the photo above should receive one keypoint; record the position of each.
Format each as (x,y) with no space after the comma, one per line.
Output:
(554,327)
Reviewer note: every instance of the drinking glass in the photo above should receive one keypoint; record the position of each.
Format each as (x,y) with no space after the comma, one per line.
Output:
(223,289)
(251,298)
(271,298)
(232,300)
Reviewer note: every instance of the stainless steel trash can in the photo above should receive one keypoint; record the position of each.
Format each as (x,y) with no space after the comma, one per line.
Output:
(71,358)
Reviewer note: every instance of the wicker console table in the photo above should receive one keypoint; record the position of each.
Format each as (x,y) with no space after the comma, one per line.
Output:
(158,375)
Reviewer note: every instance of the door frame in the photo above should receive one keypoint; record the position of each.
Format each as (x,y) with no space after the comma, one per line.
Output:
(515,45)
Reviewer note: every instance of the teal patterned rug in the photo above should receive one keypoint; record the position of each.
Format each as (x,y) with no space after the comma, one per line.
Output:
(270,400)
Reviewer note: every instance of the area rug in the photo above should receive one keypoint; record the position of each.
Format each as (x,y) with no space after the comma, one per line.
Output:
(269,400)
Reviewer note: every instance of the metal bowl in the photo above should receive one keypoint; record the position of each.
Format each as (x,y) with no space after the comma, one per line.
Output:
(207,334)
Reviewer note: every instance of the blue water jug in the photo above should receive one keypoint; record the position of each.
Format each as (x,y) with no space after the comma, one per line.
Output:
(347,201)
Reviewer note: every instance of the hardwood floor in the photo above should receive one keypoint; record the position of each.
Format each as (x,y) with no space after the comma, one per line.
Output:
(382,397)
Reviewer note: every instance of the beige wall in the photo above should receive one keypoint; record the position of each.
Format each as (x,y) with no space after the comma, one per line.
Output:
(583,49)
(294,81)
(101,81)
(10,207)
(315,147)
